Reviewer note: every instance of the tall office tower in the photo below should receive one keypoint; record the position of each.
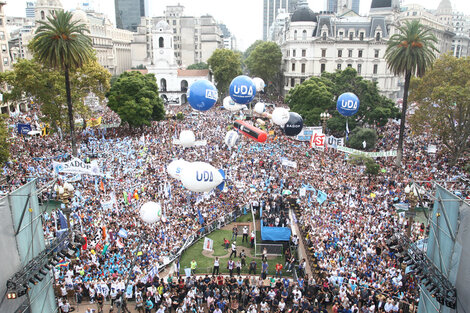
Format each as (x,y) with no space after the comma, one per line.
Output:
(30,9)
(271,9)
(129,12)
(339,6)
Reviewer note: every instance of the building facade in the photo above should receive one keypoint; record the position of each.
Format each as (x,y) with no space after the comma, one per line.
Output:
(271,9)
(461,41)
(173,82)
(29,10)
(194,38)
(5,62)
(129,13)
(313,43)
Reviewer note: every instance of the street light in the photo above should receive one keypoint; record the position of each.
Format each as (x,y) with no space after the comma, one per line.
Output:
(64,195)
(325,116)
(411,194)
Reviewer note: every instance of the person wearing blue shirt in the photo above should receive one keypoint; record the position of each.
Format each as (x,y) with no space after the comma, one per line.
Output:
(148,306)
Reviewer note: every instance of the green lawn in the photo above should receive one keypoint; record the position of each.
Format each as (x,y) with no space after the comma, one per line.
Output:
(248,217)
(205,264)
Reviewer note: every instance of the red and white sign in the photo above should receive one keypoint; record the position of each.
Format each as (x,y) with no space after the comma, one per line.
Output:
(317,140)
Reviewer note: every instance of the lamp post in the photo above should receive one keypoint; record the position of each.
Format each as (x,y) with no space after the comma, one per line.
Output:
(325,116)
(411,194)
(64,195)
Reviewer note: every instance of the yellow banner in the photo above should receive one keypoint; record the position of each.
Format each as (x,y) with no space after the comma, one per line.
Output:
(93,122)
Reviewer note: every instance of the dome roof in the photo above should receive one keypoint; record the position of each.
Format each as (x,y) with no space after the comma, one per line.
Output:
(303,14)
(444,8)
(162,25)
(376,4)
(79,15)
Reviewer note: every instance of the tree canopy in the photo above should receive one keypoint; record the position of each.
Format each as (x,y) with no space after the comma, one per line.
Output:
(46,87)
(198,66)
(251,48)
(443,104)
(225,65)
(134,97)
(4,144)
(265,61)
(319,94)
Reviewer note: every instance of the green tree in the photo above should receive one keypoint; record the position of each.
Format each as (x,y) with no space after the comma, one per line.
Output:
(46,86)
(251,48)
(4,144)
(61,43)
(359,135)
(265,61)
(225,65)
(318,94)
(410,52)
(372,168)
(443,97)
(134,97)
(198,66)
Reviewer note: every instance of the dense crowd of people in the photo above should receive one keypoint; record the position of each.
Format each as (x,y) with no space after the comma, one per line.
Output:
(346,233)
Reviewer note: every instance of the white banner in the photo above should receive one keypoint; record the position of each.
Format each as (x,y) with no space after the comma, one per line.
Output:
(333,142)
(76,166)
(196,143)
(208,244)
(432,149)
(307,133)
(288,163)
(390,153)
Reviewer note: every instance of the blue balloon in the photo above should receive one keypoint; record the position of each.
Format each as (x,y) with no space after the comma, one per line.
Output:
(347,104)
(242,89)
(202,95)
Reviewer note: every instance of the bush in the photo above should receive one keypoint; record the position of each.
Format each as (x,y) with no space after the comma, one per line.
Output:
(179,116)
(372,168)
(358,136)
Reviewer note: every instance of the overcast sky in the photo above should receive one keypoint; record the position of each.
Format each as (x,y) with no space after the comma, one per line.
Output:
(243,17)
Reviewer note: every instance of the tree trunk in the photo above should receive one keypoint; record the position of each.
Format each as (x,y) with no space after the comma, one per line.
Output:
(70,110)
(403,119)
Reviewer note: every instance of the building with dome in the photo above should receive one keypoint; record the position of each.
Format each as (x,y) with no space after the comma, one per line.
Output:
(271,9)
(312,43)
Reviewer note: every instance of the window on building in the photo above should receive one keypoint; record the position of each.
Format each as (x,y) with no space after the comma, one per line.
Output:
(415,13)
(1,21)
(376,68)
(174,30)
(295,35)
(4,48)
(361,36)
(302,68)
(293,53)
(322,67)
(340,35)
(287,82)
(350,52)
(338,66)
(376,53)
(302,80)
(160,42)
(5,61)
(304,52)
(324,36)
(359,68)
(174,22)
(292,82)
(377,36)
(304,35)
(293,67)
(43,15)
(288,52)
(359,53)
(323,53)
(351,35)
(349,65)
(340,53)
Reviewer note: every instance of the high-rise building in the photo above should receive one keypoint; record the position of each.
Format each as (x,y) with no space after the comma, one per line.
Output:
(271,9)
(339,6)
(30,9)
(4,52)
(129,12)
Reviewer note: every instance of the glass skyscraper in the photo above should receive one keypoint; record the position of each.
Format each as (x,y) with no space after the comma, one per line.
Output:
(129,12)
(270,10)
(334,5)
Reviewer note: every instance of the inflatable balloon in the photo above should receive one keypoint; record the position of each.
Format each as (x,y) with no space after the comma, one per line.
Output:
(260,121)
(251,131)
(231,138)
(259,83)
(151,212)
(294,125)
(230,105)
(175,168)
(260,107)
(202,177)
(202,95)
(347,104)
(280,116)
(242,89)
(187,138)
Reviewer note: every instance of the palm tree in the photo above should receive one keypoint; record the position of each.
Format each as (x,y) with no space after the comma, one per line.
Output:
(62,44)
(409,52)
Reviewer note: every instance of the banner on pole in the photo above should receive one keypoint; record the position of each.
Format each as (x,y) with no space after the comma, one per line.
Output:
(288,163)
(208,244)
(76,166)
(307,133)
(390,153)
